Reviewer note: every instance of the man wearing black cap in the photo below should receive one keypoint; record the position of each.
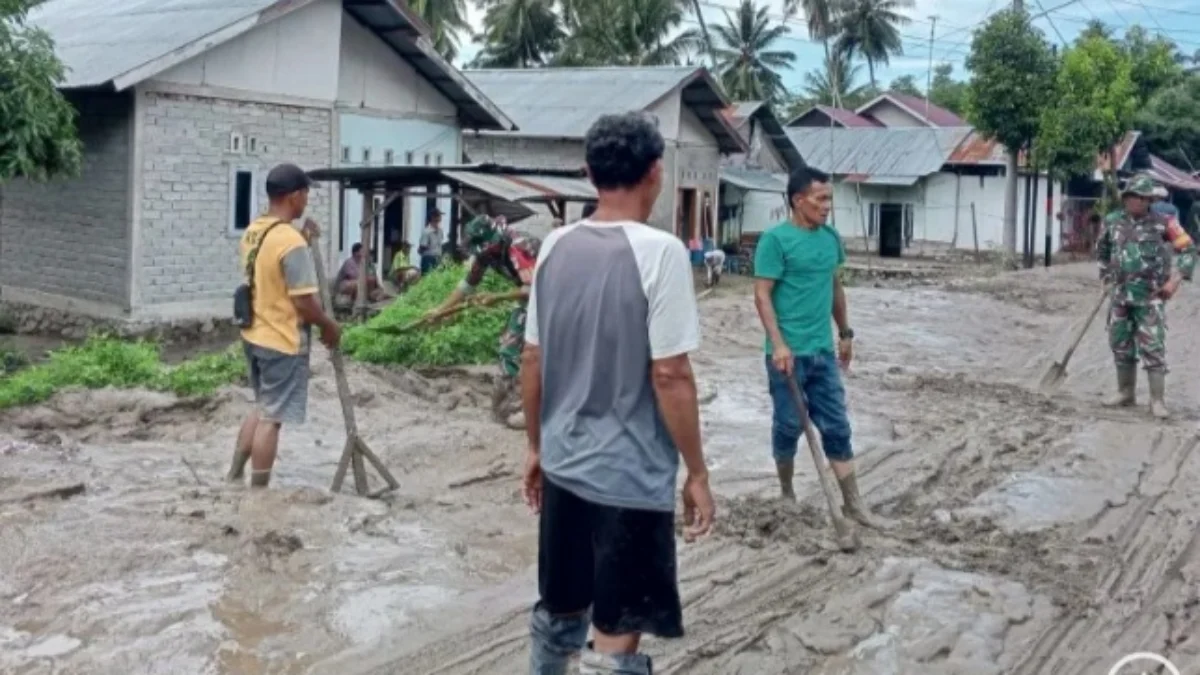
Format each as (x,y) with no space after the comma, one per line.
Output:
(283,281)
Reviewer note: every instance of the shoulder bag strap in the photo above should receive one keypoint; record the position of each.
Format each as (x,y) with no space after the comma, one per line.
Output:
(252,259)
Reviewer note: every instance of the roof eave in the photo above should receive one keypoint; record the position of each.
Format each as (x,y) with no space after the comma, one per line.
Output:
(729,141)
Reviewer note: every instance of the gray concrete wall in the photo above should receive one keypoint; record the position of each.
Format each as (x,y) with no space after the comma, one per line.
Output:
(186,250)
(70,239)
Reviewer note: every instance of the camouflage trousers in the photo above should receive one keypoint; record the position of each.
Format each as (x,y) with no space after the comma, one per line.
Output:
(506,398)
(1139,330)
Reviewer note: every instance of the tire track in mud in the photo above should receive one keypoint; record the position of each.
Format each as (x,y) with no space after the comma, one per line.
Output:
(1127,614)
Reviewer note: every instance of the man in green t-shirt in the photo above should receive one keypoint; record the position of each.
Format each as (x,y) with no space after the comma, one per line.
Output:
(796,289)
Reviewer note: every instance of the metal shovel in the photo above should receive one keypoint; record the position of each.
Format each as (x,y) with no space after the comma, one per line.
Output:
(1056,374)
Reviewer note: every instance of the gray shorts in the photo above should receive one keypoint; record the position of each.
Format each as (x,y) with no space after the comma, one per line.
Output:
(280,383)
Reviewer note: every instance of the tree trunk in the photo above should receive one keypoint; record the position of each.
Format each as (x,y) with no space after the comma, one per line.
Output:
(835,87)
(712,57)
(871,71)
(1010,203)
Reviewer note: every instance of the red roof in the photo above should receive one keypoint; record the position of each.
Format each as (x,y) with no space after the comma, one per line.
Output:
(937,115)
(847,118)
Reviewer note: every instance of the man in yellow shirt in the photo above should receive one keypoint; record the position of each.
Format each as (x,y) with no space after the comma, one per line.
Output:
(279,266)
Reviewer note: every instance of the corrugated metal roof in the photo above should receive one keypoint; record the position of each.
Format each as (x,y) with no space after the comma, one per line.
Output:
(1170,175)
(121,42)
(100,40)
(517,188)
(564,102)
(846,118)
(880,155)
(755,181)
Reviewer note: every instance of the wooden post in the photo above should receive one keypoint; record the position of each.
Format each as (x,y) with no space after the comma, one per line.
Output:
(975,232)
(365,239)
(356,448)
(862,219)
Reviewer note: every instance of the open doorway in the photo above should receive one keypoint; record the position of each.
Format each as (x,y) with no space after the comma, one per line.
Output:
(685,218)
(891,230)
(393,233)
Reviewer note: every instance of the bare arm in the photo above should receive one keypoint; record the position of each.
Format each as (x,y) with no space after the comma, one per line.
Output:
(531,395)
(675,389)
(766,311)
(310,310)
(840,312)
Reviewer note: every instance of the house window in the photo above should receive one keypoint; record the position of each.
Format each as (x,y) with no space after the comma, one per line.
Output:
(346,154)
(439,159)
(389,157)
(366,155)
(908,225)
(243,199)
(408,158)
(873,220)
(428,159)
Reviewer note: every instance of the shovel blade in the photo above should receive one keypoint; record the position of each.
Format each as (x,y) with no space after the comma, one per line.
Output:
(1054,377)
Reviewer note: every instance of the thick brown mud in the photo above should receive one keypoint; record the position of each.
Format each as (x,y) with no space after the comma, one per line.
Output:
(1023,533)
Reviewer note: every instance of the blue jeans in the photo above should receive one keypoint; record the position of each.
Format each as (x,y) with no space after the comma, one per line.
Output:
(820,384)
(428,262)
(556,639)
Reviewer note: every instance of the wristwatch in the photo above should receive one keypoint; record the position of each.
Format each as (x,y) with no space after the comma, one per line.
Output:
(846,334)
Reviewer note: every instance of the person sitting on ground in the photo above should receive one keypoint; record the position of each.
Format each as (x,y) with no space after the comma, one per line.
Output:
(404,273)
(346,283)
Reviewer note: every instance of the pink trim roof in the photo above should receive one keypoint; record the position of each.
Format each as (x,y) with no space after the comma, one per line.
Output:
(937,116)
(847,118)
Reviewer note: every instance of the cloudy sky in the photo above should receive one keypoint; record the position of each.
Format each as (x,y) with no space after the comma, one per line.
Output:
(956,19)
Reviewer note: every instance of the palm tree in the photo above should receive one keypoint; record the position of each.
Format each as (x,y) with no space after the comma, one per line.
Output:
(447,18)
(822,17)
(518,33)
(746,63)
(836,81)
(630,33)
(870,29)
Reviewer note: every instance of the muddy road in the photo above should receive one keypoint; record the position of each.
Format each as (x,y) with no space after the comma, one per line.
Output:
(1025,534)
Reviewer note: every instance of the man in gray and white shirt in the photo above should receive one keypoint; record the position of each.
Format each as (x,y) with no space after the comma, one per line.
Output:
(610,406)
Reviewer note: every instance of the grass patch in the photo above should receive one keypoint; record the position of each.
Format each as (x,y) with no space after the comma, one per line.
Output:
(109,362)
(467,338)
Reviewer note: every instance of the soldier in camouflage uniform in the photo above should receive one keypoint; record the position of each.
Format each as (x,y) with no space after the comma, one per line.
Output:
(513,255)
(1144,256)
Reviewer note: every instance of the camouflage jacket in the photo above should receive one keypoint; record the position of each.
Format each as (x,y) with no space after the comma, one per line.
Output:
(1137,254)
(514,260)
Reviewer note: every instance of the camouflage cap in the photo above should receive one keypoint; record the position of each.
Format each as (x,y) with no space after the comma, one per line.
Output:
(481,232)
(1140,185)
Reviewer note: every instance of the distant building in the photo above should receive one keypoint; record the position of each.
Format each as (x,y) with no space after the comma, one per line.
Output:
(754,183)
(554,107)
(184,106)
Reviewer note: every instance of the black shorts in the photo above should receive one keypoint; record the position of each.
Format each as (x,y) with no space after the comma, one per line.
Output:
(620,562)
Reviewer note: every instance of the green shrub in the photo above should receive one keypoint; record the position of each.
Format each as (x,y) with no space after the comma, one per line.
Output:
(469,337)
(109,362)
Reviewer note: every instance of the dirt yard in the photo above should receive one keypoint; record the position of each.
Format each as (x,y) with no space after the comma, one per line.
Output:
(1027,535)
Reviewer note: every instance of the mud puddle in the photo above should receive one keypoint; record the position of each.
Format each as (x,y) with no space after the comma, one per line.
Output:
(1023,533)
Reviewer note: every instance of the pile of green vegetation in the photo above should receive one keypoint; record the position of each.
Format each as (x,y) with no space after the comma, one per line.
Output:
(466,338)
(109,362)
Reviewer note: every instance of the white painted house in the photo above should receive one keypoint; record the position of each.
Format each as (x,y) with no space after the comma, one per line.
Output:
(184,107)
(554,107)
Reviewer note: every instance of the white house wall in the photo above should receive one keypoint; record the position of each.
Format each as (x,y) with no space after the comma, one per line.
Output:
(371,75)
(295,55)
(936,218)
(415,142)
(666,111)
(697,161)
(892,115)
(761,211)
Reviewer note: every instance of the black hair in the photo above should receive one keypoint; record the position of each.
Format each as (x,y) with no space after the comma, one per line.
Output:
(621,149)
(588,210)
(356,248)
(802,178)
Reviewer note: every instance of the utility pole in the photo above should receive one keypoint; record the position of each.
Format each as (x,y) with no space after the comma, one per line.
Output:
(1010,185)
(929,75)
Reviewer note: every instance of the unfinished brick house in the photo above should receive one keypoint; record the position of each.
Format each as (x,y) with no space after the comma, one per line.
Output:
(183,107)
